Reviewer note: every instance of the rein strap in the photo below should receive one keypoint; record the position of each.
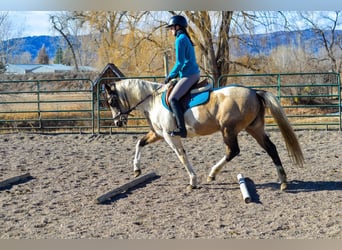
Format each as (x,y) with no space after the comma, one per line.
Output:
(136,105)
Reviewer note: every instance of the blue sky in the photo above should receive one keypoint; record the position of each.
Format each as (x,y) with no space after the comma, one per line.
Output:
(36,23)
(31,23)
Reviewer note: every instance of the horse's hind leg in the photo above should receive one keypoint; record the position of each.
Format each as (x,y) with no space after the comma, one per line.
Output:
(232,150)
(265,142)
(149,138)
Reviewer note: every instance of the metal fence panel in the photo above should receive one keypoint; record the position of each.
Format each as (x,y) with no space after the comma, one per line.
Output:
(47,106)
(310,100)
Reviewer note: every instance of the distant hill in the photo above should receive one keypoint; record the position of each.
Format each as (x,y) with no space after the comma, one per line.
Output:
(260,44)
(263,44)
(33,44)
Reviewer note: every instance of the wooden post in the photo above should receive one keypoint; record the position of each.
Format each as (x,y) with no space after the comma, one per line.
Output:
(166,64)
(125,187)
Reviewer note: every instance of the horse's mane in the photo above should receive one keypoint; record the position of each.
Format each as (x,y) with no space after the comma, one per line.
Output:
(140,88)
(142,83)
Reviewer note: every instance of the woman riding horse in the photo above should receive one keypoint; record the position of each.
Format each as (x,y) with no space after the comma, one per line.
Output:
(185,67)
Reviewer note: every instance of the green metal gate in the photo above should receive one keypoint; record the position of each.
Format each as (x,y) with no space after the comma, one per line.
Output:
(310,100)
(65,105)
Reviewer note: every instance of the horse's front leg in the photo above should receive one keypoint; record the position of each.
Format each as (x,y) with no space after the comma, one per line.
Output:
(176,144)
(149,138)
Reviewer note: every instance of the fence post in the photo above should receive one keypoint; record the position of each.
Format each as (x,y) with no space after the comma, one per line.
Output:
(279,86)
(166,64)
(98,85)
(92,108)
(339,96)
(38,105)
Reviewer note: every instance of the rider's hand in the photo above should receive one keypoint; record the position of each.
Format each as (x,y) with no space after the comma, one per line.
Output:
(173,82)
(167,79)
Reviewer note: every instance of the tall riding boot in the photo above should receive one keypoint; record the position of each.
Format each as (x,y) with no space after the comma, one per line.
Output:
(179,115)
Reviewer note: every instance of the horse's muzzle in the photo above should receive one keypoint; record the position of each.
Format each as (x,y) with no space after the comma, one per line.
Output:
(122,121)
(119,123)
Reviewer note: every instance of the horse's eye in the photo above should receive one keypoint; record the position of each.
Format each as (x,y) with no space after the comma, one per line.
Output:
(113,101)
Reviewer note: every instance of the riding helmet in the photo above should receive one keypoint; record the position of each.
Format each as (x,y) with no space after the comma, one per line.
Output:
(177,20)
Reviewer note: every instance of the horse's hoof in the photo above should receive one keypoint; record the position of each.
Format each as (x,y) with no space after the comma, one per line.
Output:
(191,187)
(137,173)
(283,186)
(211,178)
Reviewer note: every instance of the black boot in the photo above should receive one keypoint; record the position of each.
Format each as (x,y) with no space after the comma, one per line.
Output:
(179,115)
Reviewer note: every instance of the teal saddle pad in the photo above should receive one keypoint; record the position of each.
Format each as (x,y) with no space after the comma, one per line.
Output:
(190,100)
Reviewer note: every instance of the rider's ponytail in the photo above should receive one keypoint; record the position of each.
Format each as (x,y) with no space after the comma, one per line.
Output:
(186,33)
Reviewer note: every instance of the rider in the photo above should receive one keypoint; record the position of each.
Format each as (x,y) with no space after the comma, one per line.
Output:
(185,67)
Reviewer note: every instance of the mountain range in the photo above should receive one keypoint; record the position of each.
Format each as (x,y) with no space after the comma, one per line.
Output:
(259,44)
(32,45)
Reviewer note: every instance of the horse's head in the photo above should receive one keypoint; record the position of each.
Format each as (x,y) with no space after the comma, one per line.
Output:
(113,99)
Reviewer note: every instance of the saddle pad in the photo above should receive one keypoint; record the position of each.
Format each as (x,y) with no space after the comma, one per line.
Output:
(195,99)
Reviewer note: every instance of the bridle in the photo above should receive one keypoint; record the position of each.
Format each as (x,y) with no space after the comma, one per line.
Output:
(114,103)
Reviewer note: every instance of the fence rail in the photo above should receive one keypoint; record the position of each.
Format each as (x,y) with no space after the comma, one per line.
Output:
(310,100)
(47,106)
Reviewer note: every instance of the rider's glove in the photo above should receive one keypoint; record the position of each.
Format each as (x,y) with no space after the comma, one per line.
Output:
(167,79)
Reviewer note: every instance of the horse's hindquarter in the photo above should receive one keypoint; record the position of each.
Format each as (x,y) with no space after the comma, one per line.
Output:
(228,106)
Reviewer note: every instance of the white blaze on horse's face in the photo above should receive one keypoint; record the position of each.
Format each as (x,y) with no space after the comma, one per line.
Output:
(119,119)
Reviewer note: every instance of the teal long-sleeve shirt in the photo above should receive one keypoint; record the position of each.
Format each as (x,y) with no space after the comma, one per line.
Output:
(185,64)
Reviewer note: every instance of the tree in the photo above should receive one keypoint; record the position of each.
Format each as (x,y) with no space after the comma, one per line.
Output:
(105,27)
(215,51)
(23,58)
(128,39)
(288,59)
(59,56)
(43,57)
(214,32)
(3,17)
(68,58)
(2,68)
(137,41)
(325,24)
(64,24)
(8,30)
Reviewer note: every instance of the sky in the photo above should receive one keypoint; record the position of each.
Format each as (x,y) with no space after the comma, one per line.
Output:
(36,23)
(31,23)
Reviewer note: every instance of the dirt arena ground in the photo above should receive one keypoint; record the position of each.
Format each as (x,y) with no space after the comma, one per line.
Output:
(70,171)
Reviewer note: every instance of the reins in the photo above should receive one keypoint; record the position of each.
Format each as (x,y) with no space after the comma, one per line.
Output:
(130,109)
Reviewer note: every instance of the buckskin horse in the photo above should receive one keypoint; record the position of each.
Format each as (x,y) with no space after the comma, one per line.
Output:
(229,109)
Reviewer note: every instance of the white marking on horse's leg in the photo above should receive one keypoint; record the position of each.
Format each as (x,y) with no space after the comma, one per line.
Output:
(191,172)
(136,161)
(216,169)
(176,144)
(282,177)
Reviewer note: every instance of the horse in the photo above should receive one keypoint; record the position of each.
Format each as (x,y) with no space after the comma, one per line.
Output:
(230,109)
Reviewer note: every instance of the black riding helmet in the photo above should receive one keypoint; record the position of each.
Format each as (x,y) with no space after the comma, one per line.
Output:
(177,20)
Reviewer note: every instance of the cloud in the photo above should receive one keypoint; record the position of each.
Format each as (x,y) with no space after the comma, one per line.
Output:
(31,23)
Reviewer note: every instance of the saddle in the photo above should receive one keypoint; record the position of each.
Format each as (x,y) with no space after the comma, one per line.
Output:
(197,95)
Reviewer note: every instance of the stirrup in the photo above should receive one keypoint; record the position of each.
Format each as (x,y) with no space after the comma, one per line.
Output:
(178,132)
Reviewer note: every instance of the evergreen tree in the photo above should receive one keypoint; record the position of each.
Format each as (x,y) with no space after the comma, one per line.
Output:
(43,57)
(59,56)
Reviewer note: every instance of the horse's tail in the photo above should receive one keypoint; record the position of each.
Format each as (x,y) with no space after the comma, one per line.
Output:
(284,125)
